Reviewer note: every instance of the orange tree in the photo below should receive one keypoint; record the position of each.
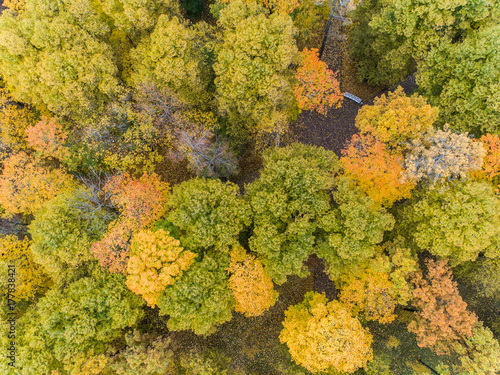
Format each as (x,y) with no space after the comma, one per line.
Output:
(316,87)
(323,336)
(442,318)
(140,202)
(376,171)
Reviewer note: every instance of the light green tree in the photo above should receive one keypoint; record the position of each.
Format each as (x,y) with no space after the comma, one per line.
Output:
(63,232)
(351,231)
(252,68)
(201,300)
(55,55)
(207,213)
(176,55)
(459,223)
(462,79)
(287,200)
(389,36)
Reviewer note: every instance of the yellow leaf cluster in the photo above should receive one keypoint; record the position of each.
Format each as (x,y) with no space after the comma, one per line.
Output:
(156,260)
(252,288)
(26,184)
(324,336)
(29,277)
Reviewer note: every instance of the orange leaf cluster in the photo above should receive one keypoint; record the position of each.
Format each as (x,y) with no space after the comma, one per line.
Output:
(47,137)
(141,202)
(376,171)
(491,161)
(252,288)
(443,317)
(156,261)
(317,88)
(26,184)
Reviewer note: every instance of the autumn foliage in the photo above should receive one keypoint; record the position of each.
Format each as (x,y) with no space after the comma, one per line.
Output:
(323,336)
(140,201)
(26,184)
(491,161)
(252,288)
(156,260)
(396,118)
(317,88)
(30,278)
(442,317)
(48,137)
(376,171)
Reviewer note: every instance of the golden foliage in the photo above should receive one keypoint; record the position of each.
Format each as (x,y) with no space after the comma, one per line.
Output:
(376,171)
(156,260)
(323,336)
(396,118)
(252,288)
(30,278)
(26,184)
(370,292)
(14,120)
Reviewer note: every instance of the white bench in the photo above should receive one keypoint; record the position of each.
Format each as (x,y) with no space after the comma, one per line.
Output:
(348,95)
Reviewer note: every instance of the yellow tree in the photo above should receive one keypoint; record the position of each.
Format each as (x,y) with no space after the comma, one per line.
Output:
(316,87)
(156,260)
(323,336)
(377,286)
(252,288)
(29,276)
(26,184)
(396,118)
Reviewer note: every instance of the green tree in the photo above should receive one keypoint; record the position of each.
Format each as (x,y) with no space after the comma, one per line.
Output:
(83,316)
(144,355)
(461,78)
(290,195)
(390,35)
(351,231)
(177,56)
(201,300)
(207,213)
(459,223)
(63,233)
(252,67)
(55,55)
